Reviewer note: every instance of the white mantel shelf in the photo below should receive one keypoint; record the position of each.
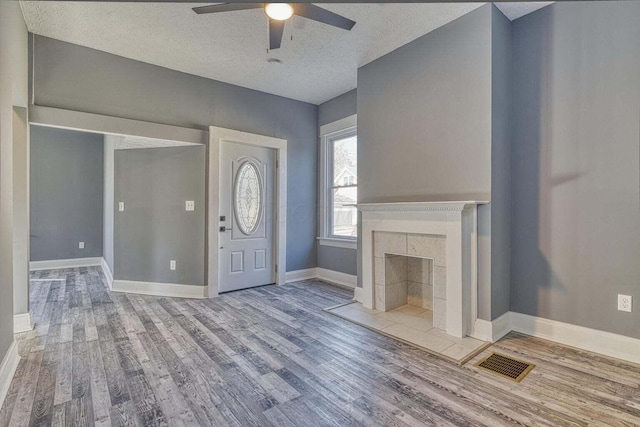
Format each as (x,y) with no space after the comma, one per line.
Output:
(419,206)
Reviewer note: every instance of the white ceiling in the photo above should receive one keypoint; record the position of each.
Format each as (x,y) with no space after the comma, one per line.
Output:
(319,63)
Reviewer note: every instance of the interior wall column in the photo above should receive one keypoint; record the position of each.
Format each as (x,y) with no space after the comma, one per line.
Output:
(20,219)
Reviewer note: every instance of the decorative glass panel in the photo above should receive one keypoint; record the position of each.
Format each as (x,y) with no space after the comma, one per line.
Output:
(248,198)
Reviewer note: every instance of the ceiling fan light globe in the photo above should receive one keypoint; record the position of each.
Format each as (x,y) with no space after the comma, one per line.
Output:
(279,11)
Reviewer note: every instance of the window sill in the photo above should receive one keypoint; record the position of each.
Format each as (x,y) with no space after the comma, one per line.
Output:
(338,243)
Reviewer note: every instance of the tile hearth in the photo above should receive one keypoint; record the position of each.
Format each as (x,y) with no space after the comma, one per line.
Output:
(412,324)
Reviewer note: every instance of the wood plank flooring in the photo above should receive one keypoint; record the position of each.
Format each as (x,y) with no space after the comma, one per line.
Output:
(271,356)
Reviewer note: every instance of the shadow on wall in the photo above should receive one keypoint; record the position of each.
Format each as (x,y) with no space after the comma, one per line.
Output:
(535,188)
(576,152)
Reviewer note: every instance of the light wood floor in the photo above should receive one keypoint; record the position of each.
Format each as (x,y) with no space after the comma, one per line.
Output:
(271,356)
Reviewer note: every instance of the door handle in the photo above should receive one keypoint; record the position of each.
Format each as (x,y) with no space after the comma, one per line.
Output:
(223,228)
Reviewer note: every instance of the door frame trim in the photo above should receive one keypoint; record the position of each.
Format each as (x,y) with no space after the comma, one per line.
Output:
(217,135)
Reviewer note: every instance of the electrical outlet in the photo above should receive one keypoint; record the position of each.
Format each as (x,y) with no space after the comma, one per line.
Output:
(624,302)
(121,206)
(81,245)
(189,205)
(172,264)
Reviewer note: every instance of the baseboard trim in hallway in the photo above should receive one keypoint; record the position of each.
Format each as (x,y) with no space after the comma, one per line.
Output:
(56,264)
(131,286)
(8,369)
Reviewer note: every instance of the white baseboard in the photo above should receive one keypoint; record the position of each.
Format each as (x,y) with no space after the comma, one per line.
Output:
(348,280)
(336,277)
(357,294)
(492,331)
(482,330)
(22,323)
(607,343)
(160,289)
(107,273)
(8,369)
(298,275)
(501,326)
(55,264)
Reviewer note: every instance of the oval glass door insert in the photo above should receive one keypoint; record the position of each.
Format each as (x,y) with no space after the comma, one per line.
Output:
(248,198)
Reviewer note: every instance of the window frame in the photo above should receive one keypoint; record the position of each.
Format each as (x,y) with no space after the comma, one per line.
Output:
(328,133)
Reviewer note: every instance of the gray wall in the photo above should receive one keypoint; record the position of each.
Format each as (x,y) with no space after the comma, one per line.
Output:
(13,92)
(110,142)
(66,193)
(500,207)
(77,78)
(338,259)
(154,228)
(343,260)
(424,116)
(338,108)
(576,172)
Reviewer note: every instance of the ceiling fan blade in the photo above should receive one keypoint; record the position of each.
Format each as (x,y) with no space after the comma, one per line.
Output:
(226,7)
(276,29)
(311,11)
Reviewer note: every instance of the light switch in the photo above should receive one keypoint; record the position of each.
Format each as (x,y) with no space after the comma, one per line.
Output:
(121,206)
(190,205)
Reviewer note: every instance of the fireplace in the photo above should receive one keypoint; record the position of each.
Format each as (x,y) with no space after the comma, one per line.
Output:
(411,273)
(401,280)
(422,254)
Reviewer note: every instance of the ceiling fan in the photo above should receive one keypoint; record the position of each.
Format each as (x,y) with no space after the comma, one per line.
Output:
(278,13)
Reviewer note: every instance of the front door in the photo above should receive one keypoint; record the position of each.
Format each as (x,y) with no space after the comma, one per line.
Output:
(247,216)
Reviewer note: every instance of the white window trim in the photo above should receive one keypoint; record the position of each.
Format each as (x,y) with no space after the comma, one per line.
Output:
(338,243)
(326,132)
(339,125)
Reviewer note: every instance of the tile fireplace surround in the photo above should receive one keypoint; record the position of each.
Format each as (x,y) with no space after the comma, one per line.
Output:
(410,279)
(422,251)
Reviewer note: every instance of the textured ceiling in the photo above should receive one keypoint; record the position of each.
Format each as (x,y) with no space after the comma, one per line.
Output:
(319,61)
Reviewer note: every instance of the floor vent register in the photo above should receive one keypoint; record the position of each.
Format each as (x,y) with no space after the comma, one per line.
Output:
(505,366)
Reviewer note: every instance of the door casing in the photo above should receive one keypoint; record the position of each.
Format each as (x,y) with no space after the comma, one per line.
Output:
(217,135)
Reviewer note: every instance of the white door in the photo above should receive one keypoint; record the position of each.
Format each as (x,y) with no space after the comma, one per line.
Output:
(247,216)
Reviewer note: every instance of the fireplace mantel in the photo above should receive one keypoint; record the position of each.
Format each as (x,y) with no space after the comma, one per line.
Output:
(458,222)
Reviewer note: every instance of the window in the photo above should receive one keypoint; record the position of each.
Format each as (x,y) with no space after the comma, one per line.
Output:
(343,195)
(339,189)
